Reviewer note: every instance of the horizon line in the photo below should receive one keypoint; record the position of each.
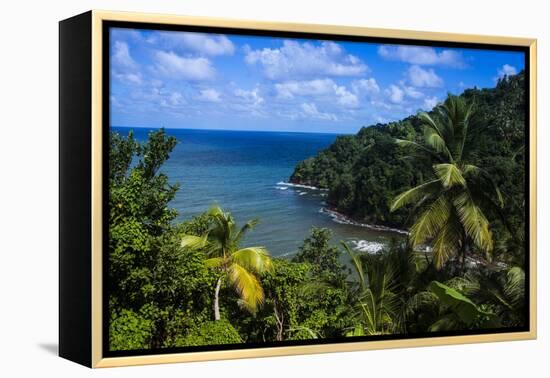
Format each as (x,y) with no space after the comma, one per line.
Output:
(241,130)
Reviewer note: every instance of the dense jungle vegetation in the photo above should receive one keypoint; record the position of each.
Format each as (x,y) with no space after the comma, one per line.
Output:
(364,172)
(454,177)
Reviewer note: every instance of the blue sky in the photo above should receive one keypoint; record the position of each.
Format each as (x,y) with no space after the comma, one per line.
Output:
(231,82)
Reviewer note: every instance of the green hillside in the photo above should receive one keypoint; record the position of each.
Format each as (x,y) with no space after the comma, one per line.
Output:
(366,171)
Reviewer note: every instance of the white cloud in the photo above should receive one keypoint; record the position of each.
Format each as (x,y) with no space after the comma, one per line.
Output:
(421,55)
(168,99)
(382,104)
(296,59)
(506,70)
(150,99)
(368,86)
(114,101)
(420,77)
(319,88)
(206,44)
(345,97)
(411,92)
(395,94)
(128,78)
(310,111)
(177,67)
(176,98)
(209,95)
(123,67)
(289,89)
(251,97)
(430,103)
(403,99)
(121,57)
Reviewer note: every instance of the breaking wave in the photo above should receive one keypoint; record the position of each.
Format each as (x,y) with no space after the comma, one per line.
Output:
(367,246)
(342,219)
(289,184)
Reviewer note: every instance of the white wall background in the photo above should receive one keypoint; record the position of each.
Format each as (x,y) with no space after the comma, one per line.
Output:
(28,186)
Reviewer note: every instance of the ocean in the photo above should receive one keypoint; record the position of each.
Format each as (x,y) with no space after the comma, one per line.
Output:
(246,173)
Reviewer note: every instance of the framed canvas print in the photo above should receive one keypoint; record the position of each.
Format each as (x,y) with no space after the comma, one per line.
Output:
(235,189)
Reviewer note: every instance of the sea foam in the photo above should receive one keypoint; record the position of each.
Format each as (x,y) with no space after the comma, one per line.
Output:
(367,246)
(289,184)
(342,219)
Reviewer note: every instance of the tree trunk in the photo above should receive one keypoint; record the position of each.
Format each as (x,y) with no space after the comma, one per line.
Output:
(217,299)
(279,320)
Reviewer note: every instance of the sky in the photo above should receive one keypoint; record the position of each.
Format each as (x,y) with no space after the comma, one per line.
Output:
(193,80)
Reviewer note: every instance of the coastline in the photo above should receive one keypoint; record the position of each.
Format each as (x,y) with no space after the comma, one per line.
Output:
(296,185)
(337,216)
(344,219)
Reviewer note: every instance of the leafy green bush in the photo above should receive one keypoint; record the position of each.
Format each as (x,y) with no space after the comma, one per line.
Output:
(324,257)
(130,330)
(211,333)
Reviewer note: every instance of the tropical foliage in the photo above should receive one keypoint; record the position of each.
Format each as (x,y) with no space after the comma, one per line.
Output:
(451,204)
(453,176)
(365,172)
(377,301)
(234,265)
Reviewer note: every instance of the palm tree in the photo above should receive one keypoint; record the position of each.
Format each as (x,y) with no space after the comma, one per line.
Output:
(503,290)
(448,306)
(236,266)
(450,205)
(377,303)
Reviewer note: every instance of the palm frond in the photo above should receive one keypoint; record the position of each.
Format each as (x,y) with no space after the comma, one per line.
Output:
(215,211)
(370,313)
(449,174)
(418,147)
(482,175)
(517,152)
(474,221)
(222,231)
(379,306)
(446,243)
(214,262)
(435,141)
(432,124)
(247,286)
(464,125)
(194,242)
(414,195)
(358,330)
(357,265)
(256,259)
(430,221)
(450,118)
(514,288)
(247,226)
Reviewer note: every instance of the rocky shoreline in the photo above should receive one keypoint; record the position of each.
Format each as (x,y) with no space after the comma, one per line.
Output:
(343,219)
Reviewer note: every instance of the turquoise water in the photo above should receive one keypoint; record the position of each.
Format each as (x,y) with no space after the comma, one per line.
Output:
(246,172)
